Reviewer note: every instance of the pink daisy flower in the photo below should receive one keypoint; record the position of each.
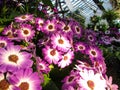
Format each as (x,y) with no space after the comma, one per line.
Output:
(110,85)
(61,42)
(90,36)
(81,47)
(25,79)
(8,31)
(39,23)
(91,81)
(4,84)
(49,26)
(42,65)
(70,80)
(77,29)
(12,59)
(94,53)
(25,32)
(4,42)
(51,55)
(66,28)
(24,18)
(66,59)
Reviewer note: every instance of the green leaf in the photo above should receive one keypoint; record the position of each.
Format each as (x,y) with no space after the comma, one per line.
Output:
(1,28)
(48,3)
(46,80)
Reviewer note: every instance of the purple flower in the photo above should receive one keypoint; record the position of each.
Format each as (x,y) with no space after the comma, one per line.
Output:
(4,42)
(8,31)
(106,40)
(67,28)
(12,59)
(77,29)
(49,26)
(42,65)
(81,46)
(66,59)
(4,84)
(94,53)
(39,23)
(24,18)
(25,32)
(51,55)
(100,66)
(70,81)
(25,79)
(90,36)
(61,42)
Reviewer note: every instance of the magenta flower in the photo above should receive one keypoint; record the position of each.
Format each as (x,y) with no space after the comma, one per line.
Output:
(12,59)
(51,55)
(66,59)
(25,32)
(90,36)
(25,79)
(24,18)
(67,28)
(61,42)
(4,42)
(81,47)
(70,80)
(100,66)
(4,84)
(94,53)
(77,29)
(8,31)
(49,26)
(110,85)
(42,66)
(39,23)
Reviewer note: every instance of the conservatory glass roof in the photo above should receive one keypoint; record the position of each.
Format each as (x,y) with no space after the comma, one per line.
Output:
(85,8)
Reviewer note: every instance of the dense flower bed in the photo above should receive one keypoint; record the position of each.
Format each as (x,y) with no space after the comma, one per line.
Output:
(32,47)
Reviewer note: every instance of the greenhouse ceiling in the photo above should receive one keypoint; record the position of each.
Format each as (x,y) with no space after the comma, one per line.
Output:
(85,8)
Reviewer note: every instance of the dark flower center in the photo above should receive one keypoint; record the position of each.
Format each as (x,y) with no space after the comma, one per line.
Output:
(53,52)
(91,84)
(60,41)
(2,45)
(90,37)
(26,32)
(66,28)
(65,57)
(80,47)
(50,26)
(13,58)
(71,78)
(93,53)
(24,86)
(4,85)
(41,66)
(78,29)
(23,16)
(41,24)
(9,34)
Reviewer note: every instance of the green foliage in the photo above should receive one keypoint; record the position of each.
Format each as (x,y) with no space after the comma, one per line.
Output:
(110,15)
